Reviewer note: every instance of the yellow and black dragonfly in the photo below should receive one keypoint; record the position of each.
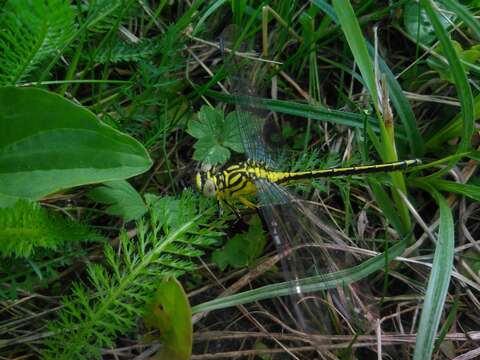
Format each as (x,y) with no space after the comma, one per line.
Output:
(309,246)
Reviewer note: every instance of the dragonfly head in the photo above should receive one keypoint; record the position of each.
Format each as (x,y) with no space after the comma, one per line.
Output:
(205,181)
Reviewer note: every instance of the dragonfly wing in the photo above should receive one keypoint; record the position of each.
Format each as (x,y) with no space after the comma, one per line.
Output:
(310,246)
(251,127)
(247,79)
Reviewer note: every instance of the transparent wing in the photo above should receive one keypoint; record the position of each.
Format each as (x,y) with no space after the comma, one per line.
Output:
(247,78)
(309,247)
(252,127)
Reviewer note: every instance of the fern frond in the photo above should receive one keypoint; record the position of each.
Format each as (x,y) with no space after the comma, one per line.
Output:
(103,15)
(27,226)
(32,31)
(121,51)
(92,318)
(176,264)
(184,250)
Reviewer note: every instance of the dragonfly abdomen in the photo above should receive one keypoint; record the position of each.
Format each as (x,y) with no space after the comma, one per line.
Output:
(287,177)
(239,179)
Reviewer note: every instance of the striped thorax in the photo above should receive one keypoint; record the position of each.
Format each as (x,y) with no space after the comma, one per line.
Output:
(233,181)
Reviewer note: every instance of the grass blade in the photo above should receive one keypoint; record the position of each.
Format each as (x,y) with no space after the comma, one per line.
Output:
(464,14)
(438,281)
(471,191)
(310,284)
(306,111)
(386,150)
(399,100)
(458,73)
(403,108)
(451,130)
(387,206)
(353,34)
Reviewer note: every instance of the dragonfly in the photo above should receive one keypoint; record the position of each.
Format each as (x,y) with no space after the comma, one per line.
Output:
(239,181)
(308,244)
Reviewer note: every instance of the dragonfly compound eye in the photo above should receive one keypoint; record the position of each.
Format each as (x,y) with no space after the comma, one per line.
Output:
(209,188)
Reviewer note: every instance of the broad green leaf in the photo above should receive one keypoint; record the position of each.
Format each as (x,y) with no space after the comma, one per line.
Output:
(171,315)
(419,26)
(438,281)
(122,197)
(216,135)
(8,201)
(48,143)
(242,249)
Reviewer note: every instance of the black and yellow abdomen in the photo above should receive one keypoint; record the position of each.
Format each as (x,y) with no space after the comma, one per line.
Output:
(291,177)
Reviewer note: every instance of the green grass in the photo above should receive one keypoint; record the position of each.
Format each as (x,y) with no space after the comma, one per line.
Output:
(342,81)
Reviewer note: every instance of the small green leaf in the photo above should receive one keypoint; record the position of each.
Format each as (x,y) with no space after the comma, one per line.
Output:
(470,55)
(418,25)
(262,347)
(453,129)
(209,152)
(242,249)
(122,197)
(170,313)
(216,136)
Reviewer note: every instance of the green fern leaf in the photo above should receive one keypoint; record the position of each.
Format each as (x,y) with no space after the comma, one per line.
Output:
(125,52)
(104,15)
(32,32)
(27,227)
(92,318)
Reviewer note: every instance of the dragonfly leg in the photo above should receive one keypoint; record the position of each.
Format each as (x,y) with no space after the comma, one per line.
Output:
(247,203)
(234,210)
(223,202)
(220,207)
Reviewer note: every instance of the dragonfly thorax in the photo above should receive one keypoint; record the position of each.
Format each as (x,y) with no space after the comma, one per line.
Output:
(234,181)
